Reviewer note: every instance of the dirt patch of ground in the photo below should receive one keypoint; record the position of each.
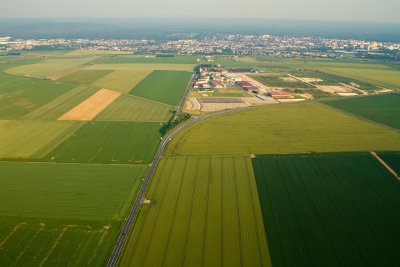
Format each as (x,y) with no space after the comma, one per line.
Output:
(222,106)
(309,80)
(306,96)
(291,100)
(347,94)
(220,100)
(256,101)
(192,104)
(288,79)
(334,89)
(91,107)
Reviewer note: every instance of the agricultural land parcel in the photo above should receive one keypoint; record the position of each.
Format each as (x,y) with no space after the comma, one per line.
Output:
(163,86)
(85,76)
(33,139)
(285,128)
(20,95)
(132,108)
(50,209)
(381,108)
(122,80)
(51,68)
(68,214)
(110,142)
(329,209)
(204,212)
(59,106)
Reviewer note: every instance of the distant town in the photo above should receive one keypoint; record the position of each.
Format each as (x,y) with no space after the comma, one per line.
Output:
(233,44)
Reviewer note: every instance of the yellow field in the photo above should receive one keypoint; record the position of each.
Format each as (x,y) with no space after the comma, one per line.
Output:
(284,128)
(122,80)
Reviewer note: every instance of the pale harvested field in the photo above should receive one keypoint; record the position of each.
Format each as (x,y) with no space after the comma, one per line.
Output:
(88,109)
(334,89)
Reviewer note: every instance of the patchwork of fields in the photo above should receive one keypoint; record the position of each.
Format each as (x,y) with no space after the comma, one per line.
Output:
(51,68)
(204,211)
(67,185)
(20,95)
(122,80)
(163,86)
(329,209)
(131,108)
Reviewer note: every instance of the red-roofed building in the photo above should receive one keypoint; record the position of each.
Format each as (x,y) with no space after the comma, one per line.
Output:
(279,94)
(216,84)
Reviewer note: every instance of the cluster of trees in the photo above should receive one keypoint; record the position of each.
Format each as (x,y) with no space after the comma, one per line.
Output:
(175,120)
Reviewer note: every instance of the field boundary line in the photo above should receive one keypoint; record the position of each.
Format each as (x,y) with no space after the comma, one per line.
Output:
(171,225)
(385,165)
(183,258)
(147,99)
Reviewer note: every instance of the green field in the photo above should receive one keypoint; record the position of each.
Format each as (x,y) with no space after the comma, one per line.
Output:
(57,107)
(84,76)
(163,86)
(329,209)
(122,80)
(142,67)
(384,109)
(131,108)
(74,191)
(63,214)
(284,128)
(20,95)
(392,159)
(279,81)
(50,68)
(33,139)
(204,211)
(44,242)
(110,142)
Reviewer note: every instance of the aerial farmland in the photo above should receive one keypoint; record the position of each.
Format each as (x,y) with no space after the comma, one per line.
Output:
(112,159)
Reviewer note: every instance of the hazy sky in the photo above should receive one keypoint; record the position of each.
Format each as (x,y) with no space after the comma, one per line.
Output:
(331,10)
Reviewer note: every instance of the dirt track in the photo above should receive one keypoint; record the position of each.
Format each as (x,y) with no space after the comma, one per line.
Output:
(88,109)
